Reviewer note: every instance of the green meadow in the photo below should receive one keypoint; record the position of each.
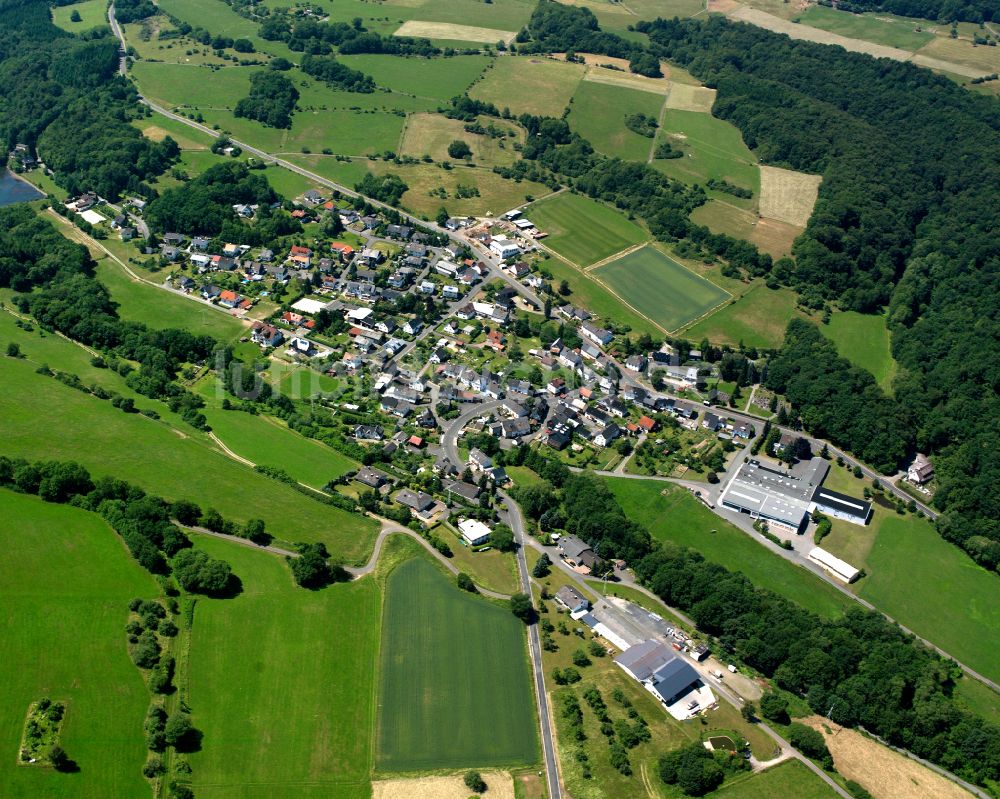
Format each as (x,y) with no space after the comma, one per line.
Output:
(582,230)
(158,308)
(172,461)
(598,114)
(529,85)
(758,318)
(281,684)
(790,779)
(455,689)
(864,340)
(878,28)
(433,78)
(712,148)
(66,583)
(656,285)
(93,14)
(672,514)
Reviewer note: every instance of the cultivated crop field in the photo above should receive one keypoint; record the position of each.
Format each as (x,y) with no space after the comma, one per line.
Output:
(455,688)
(678,517)
(583,230)
(786,195)
(282,683)
(109,442)
(598,114)
(659,287)
(66,582)
(529,85)
(712,148)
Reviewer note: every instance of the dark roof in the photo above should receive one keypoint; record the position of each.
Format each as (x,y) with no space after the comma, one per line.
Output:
(842,503)
(645,658)
(673,679)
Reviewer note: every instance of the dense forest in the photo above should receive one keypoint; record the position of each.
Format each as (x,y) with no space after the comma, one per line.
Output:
(271,100)
(59,94)
(336,74)
(938,10)
(859,670)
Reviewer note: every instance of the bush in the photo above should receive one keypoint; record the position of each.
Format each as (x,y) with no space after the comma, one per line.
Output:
(520,606)
(200,573)
(810,742)
(474,782)
(466,584)
(774,707)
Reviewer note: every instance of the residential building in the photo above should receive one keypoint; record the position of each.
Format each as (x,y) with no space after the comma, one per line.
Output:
(474,532)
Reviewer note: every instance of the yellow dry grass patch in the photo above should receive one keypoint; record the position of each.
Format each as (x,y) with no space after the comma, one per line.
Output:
(155,133)
(691,98)
(786,195)
(432,133)
(618,74)
(451,31)
(884,773)
(501,786)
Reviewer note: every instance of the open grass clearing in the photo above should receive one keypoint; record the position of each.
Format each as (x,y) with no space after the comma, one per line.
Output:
(500,786)
(529,84)
(786,195)
(145,38)
(451,31)
(492,569)
(430,134)
(659,287)
(673,514)
(187,465)
(216,16)
(437,78)
(66,583)
(864,340)
(651,9)
(281,683)
(683,97)
(712,148)
(874,27)
(158,308)
(789,779)
(720,216)
(598,114)
(582,230)
(975,697)
(758,318)
(980,58)
(386,17)
(452,667)
(157,128)
(93,14)
(882,772)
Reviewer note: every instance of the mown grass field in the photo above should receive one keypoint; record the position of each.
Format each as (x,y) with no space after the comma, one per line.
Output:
(140,302)
(430,134)
(678,517)
(434,78)
(770,235)
(529,85)
(598,114)
(159,127)
(80,427)
(583,230)
(93,14)
(269,442)
(455,689)
(758,319)
(659,287)
(712,148)
(66,583)
(790,779)
(876,27)
(221,20)
(282,684)
(864,340)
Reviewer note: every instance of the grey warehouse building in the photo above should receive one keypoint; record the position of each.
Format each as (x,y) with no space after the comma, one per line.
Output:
(777,496)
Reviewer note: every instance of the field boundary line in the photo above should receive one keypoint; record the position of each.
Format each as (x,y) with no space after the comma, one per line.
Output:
(614,257)
(659,122)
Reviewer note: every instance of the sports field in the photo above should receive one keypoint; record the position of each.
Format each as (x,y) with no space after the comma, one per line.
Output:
(876,27)
(93,13)
(437,78)
(656,285)
(758,319)
(140,302)
(864,340)
(66,582)
(282,684)
(678,517)
(529,85)
(108,442)
(790,779)
(712,148)
(455,690)
(598,114)
(582,230)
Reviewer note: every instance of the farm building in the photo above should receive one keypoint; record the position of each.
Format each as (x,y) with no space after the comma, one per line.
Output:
(474,532)
(776,496)
(831,563)
(671,680)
